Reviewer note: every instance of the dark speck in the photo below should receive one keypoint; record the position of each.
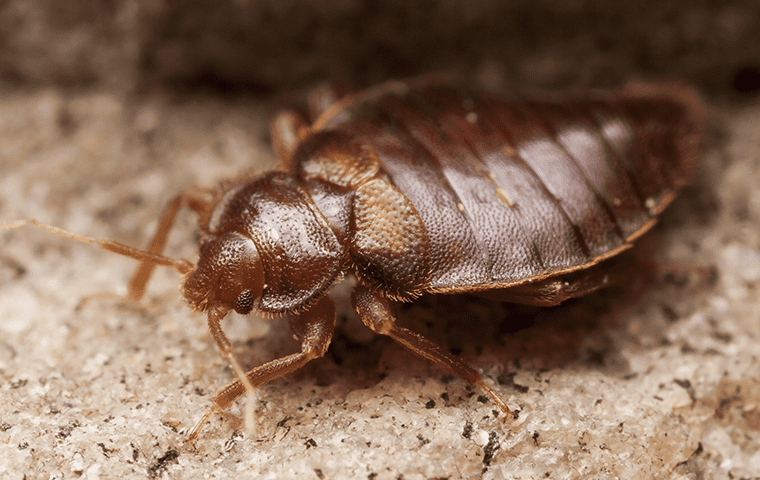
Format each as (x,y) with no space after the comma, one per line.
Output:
(509,380)
(19,383)
(722,337)
(669,313)
(160,466)
(490,449)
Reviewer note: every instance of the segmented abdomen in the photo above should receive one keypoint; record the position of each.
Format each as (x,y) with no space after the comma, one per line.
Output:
(513,191)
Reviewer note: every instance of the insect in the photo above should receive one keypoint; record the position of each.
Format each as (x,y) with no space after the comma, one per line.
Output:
(423,187)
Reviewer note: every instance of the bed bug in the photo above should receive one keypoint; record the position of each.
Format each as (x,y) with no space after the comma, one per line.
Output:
(426,187)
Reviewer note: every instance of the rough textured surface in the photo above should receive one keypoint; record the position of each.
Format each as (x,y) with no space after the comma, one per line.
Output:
(655,380)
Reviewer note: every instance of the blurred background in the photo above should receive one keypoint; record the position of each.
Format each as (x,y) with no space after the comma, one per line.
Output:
(261,46)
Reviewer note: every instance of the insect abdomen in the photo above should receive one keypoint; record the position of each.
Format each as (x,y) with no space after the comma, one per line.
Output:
(508,192)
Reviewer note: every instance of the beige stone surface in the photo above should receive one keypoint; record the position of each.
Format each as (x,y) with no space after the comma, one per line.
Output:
(658,379)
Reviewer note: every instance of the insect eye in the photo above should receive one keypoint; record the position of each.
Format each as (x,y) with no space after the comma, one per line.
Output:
(244,303)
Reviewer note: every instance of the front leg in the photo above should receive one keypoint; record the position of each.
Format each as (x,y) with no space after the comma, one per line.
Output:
(376,313)
(197,199)
(313,328)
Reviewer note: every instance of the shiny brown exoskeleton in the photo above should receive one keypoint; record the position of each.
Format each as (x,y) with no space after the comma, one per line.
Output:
(426,188)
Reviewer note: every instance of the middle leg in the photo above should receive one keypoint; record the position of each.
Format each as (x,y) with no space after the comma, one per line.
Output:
(376,313)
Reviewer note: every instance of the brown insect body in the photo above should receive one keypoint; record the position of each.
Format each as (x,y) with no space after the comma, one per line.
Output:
(433,188)
(421,187)
(438,190)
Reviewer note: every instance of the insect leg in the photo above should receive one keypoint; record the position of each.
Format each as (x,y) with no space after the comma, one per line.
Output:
(556,290)
(375,312)
(323,97)
(313,328)
(192,199)
(287,130)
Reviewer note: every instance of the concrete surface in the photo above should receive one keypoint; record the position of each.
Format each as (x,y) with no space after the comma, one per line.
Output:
(656,381)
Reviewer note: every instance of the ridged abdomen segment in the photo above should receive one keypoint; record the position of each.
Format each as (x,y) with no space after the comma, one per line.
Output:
(514,191)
